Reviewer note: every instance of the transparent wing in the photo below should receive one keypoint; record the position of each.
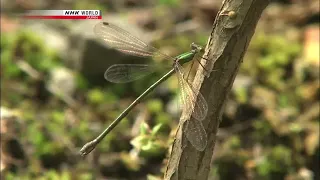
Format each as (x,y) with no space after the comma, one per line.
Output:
(123,41)
(196,134)
(190,99)
(123,73)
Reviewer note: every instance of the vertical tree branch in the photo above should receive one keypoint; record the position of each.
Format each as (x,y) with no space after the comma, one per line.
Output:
(232,31)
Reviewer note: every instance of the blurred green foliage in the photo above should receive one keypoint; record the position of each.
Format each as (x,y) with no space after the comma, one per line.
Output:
(272,54)
(169,2)
(147,143)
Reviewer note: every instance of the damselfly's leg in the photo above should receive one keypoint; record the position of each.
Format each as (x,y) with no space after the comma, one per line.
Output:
(198,60)
(207,71)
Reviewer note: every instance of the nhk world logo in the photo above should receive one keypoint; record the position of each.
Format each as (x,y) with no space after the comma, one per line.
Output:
(63,14)
(81,12)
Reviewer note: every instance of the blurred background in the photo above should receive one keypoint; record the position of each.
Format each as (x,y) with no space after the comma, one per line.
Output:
(54,97)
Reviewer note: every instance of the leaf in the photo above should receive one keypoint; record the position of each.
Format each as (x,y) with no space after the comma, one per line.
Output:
(144,128)
(156,129)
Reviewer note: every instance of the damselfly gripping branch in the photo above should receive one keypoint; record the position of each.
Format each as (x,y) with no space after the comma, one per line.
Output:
(192,100)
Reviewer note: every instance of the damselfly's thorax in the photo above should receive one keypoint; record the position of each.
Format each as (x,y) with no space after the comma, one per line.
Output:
(186,57)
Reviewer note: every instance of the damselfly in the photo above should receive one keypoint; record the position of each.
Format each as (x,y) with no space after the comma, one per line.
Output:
(191,100)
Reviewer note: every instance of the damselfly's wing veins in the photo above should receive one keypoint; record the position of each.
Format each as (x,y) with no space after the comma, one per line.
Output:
(121,40)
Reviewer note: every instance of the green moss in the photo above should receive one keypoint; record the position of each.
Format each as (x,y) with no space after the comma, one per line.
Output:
(96,96)
(171,3)
(241,95)
(155,105)
(279,160)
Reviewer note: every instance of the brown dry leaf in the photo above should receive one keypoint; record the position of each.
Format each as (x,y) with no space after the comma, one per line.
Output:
(263,98)
(302,174)
(311,45)
(309,91)
(3,164)
(7,24)
(305,173)
(6,114)
(250,164)
(9,124)
(274,118)
(312,140)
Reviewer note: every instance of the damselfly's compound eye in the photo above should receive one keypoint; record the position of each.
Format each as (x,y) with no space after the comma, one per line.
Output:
(192,46)
(195,47)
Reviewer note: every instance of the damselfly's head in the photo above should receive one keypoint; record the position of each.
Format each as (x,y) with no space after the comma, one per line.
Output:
(196,48)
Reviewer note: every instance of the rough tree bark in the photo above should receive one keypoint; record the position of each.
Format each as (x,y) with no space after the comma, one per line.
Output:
(232,31)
